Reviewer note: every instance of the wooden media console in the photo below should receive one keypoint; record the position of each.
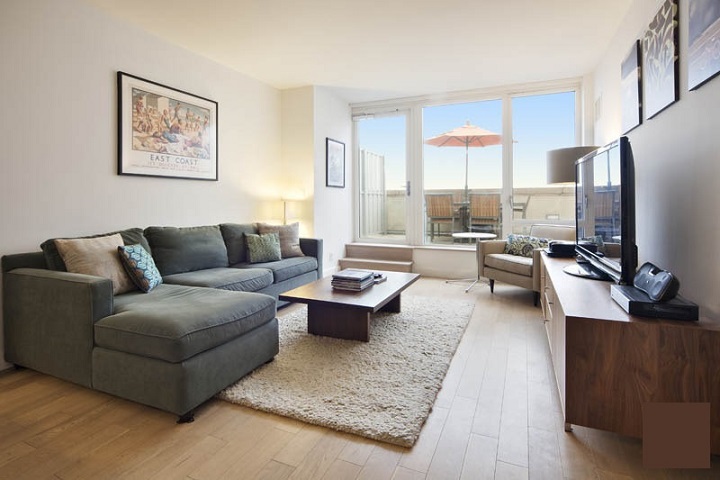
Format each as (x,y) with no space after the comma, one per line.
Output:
(608,364)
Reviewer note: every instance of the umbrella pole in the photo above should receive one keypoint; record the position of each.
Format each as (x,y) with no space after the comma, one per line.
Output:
(467,196)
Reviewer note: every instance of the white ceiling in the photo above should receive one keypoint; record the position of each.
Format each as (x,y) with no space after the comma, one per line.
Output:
(376,49)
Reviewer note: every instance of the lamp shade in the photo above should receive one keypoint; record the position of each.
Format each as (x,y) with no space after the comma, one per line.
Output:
(561,163)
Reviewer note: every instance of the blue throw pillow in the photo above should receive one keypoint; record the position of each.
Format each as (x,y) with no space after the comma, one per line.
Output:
(140,266)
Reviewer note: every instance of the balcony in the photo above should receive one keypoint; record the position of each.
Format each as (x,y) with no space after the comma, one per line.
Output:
(385,216)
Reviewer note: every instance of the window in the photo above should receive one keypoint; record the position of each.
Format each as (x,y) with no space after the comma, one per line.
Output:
(498,188)
(462,169)
(540,123)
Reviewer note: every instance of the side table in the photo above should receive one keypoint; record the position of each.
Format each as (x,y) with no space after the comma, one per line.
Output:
(476,236)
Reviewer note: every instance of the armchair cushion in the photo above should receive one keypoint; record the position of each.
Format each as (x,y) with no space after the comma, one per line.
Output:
(510,263)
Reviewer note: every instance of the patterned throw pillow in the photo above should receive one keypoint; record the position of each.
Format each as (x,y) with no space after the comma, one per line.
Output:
(140,266)
(289,238)
(263,248)
(524,245)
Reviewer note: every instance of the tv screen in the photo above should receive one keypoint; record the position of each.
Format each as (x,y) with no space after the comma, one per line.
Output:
(605,211)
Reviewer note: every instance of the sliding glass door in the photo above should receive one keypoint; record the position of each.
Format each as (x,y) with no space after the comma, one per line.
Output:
(382,185)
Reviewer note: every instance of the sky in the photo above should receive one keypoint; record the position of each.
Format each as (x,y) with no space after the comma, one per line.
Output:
(540,123)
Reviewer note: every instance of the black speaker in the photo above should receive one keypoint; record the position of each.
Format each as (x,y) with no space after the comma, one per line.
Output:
(660,285)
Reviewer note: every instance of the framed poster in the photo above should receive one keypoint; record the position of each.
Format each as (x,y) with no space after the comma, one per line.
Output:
(703,41)
(165,132)
(335,160)
(631,89)
(660,60)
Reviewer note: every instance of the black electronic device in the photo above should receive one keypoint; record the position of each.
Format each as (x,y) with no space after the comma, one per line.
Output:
(605,210)
(660,285)
(561,248)
(636,302)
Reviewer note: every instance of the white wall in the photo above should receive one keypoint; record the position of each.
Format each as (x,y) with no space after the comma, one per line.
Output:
(298,156)
(310,115)
(677,167)
(333,206)
(58,124)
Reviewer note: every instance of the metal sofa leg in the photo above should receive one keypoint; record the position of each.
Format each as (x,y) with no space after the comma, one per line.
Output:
(492,285)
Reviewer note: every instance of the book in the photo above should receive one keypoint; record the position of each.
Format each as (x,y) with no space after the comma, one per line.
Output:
(353,274)
(352,285)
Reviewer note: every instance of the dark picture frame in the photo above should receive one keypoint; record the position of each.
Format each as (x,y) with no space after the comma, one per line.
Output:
(703,42)
(165,132)
(660,54)
(335,163)
(631,88)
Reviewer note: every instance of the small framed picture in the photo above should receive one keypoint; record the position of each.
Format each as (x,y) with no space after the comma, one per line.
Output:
(335,159)
(165,132)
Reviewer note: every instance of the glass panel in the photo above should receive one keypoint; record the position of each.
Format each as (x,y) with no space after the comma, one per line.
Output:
(382,167)
(462,171)
(541,123)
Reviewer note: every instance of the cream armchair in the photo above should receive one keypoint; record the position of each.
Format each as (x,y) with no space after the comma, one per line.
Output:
(494,264)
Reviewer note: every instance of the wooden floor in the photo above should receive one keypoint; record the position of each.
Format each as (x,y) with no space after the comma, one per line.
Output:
(497,416)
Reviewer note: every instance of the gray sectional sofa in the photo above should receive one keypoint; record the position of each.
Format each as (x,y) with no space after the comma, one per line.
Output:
(211,321)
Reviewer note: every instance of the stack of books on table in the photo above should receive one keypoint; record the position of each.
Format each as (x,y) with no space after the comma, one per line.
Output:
(353,280)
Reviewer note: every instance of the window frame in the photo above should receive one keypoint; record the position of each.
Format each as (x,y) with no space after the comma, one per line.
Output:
(415,235)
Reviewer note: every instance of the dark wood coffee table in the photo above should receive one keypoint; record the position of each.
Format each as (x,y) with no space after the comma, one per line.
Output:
(343,314)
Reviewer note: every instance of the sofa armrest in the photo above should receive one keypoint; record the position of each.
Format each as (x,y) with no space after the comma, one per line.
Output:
(313,247)
(487,247)
(48,320)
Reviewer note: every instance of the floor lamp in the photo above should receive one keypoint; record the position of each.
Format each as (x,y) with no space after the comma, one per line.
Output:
(561,163)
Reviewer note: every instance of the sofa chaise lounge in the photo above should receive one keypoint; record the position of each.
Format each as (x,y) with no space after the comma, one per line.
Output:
(211,321)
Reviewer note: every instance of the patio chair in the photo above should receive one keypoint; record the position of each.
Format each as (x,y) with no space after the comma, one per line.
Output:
(440,210)
(606,213)
(485,210)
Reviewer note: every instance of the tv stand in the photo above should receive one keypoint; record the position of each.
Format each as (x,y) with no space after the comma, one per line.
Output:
(609,364)
(585,270)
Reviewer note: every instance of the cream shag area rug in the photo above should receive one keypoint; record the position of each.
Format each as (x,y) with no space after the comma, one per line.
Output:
(383,389)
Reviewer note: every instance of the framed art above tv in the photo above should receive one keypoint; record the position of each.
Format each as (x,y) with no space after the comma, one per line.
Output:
(660,53)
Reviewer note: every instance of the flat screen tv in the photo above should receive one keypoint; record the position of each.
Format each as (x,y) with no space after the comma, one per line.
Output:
(605,214)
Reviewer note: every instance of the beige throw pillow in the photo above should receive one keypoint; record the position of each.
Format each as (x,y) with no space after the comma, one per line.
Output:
(96,256)
(289,238)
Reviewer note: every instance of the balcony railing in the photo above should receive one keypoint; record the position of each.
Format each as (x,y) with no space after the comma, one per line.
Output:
(551,204)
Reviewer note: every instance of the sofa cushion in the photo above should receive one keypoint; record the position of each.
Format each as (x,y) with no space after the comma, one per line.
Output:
(140,267)
(234,236)
(284,269)
(263,248)
(510,263)
(55,262)
(187,249)
(175,322)
(96,256)
(249,280)
(289,238)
